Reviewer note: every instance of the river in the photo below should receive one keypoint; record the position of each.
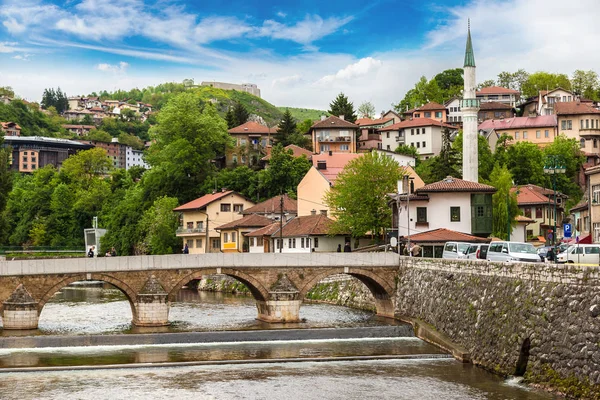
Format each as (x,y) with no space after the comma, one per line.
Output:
(303,368)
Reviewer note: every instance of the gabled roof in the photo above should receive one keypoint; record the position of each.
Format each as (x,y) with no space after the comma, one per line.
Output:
(432,105)
(574,108)
(252,127)
(524,219)
(416,122)
(546,92)
(334,163)
(451,184)
(273,205)
(494,105)
(248,221)
(582,205)
(203,201)
(6,125)
(529,196)
(334,122)
(541,121)
(496,90)
(297,151)
(265,231)
(442,235)
(309,225)
(369,121)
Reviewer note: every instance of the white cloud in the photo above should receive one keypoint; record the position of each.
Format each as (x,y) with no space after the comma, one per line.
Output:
(311,28)
(22,57)
(220,28)
(358,69)
(281,14)
(287,80)
(118,68)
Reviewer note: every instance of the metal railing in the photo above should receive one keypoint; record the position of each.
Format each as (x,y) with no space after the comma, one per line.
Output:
(190,230)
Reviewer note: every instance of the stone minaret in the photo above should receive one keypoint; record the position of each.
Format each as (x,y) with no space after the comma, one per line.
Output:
(469,107)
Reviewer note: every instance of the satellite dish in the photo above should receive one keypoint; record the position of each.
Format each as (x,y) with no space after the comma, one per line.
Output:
(393,242)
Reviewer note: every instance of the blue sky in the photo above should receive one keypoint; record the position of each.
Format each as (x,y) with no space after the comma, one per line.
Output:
(299,53)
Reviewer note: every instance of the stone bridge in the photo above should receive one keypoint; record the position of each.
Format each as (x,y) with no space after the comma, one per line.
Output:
(278,282)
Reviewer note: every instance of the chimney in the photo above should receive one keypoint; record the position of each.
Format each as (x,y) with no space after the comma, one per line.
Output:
(321,164)
(223,190)
(342,117)
(330,153)
(313,212)
(323,118)
(324,212)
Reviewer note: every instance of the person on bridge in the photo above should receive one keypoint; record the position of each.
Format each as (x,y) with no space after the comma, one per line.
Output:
(339,249)
(91,252)
(347,248)
(186,250)
(113,252)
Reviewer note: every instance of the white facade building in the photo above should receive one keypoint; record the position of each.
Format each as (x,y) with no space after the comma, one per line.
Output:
(134,158)
(454,114)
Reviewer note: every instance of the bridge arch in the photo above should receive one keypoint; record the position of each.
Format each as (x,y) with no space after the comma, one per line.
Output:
(122,286)
(258,291)
(381,290)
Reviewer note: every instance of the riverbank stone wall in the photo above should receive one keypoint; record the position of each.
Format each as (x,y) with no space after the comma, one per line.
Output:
(540,321)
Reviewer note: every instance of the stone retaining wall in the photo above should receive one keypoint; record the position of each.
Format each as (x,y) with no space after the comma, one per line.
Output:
(497,311)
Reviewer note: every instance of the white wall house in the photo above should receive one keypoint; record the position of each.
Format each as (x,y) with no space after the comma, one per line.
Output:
(454,115)
(134,158)
(402,159)
(422,133)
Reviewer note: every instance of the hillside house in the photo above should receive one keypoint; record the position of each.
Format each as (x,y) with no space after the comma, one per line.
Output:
(251,140)
(424,134)
(10,128)
(581,121)
(333,134)
(498,94)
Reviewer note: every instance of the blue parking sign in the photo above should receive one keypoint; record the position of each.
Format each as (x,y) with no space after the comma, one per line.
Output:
(568,230)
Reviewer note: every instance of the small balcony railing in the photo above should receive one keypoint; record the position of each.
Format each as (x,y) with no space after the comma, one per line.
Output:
(336,139)
(400,139)
(182,230)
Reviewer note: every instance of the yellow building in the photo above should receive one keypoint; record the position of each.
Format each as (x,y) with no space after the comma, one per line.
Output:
(581,121)
(334,134)
(200,217)
(233,239)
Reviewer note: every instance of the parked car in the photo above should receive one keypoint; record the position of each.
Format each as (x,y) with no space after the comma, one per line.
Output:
(477,252)
(581,254)
(453,250)
(543,252)
(512,252)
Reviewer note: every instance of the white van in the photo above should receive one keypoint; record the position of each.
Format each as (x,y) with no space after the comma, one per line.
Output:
(581,254)
(453,250)
(512,252)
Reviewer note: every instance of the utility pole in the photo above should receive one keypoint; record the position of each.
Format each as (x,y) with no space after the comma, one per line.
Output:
(281,224)
(206,245)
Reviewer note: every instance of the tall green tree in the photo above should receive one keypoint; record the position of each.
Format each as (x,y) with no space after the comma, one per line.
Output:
(586,84)
(286,128)
(230,118)
(55,98)
(526,164)
(6,180)
(544,81)
(158,226)
(342,106)
(284,173)
(513,80)
(485,156)
(486,83)
(240,113)
(450,81)
(448,162)
(355,213)
(503,201)
(366,110)
(569,154)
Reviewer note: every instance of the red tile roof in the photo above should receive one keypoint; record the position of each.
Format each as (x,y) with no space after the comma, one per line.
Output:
(335,163)
(6,125)
(369,121)
(494,105)
(451,184)
(522,218)
(542,121)
(496,90)
(416,122)
(582,205)
(529,196)
(297,151)
(310,225)
(252,127)
(432,105)
(248,221)
(575,107)
(442,235)
(203,201)
(334,122)
(273,205)
(265,231)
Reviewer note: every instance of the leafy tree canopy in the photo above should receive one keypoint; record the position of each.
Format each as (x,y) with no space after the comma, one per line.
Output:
(342,106)
(366,110)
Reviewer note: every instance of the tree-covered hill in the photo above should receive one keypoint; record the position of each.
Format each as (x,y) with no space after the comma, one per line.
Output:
(302,114)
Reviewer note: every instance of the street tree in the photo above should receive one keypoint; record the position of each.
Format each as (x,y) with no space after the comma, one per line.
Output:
(286,128)
(342,106)
(355,213)
(526,164)
(366,110)
(503,201)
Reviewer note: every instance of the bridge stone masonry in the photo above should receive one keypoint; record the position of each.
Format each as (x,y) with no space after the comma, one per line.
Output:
(278,282)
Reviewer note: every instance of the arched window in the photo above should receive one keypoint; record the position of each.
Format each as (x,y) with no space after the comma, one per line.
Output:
(582,143)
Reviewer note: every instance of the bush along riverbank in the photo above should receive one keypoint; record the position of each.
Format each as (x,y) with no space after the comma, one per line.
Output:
(224,284)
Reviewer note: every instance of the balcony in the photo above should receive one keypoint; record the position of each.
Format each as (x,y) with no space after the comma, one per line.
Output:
(400,139)
(181,231)
(335,139)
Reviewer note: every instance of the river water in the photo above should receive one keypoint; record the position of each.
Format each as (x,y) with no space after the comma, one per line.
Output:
(234,370)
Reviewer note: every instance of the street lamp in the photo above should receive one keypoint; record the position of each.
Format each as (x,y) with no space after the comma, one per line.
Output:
(553,167)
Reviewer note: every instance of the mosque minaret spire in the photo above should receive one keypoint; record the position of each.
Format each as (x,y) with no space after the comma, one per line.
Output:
(469,107)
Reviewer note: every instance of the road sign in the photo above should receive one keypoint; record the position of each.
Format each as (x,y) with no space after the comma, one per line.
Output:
(568,230)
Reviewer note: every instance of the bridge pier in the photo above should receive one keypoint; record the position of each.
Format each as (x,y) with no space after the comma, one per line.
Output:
(283,304)
(152,305)
(20,310)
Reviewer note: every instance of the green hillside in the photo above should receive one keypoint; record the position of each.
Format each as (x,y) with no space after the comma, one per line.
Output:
(302,114)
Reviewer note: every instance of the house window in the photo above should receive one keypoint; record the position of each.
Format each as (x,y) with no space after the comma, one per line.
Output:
(388,147)
(225,207)
(387,135)
(412,131)
(539,213)
(190,225)
(234,159)
(279,243)
(292,243)
(344,147)
(423,144)
(316,242)
(238,208)
(595,143)
(200,225)
(546,133)
(569,124)
(190,243)
(199,243)
(581,123)
(427,114)
(418,145)
(412,144)
(524,134)
(527,212)
(438,114)
(417,115)
(324,148)
(226,237)
(538,134)
(582,143)
(455,214)
(596,194)
(421,214)
(302,242)
(259,241)
(480,211)
(587,124)
(516,135)
(423,131)
(596,232)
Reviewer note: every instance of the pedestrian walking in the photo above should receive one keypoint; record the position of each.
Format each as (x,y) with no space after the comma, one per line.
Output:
(186,250)
(347,248)
(91,252)
(339,249)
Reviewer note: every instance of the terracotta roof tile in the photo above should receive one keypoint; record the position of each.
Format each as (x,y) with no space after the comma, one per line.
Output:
(451,184)
(310,225)
(252,127)
(442,235)
(494,105)
(6,125)
(334,122)
(203,201)
(415,122)
(522,218)
(297,151)
(529,196)
(334,163)
(542,121)
(273,206)
(575,107)
(369,121)
(432,105)
(496,90)
(248,221)
(265,231)
(582,205)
